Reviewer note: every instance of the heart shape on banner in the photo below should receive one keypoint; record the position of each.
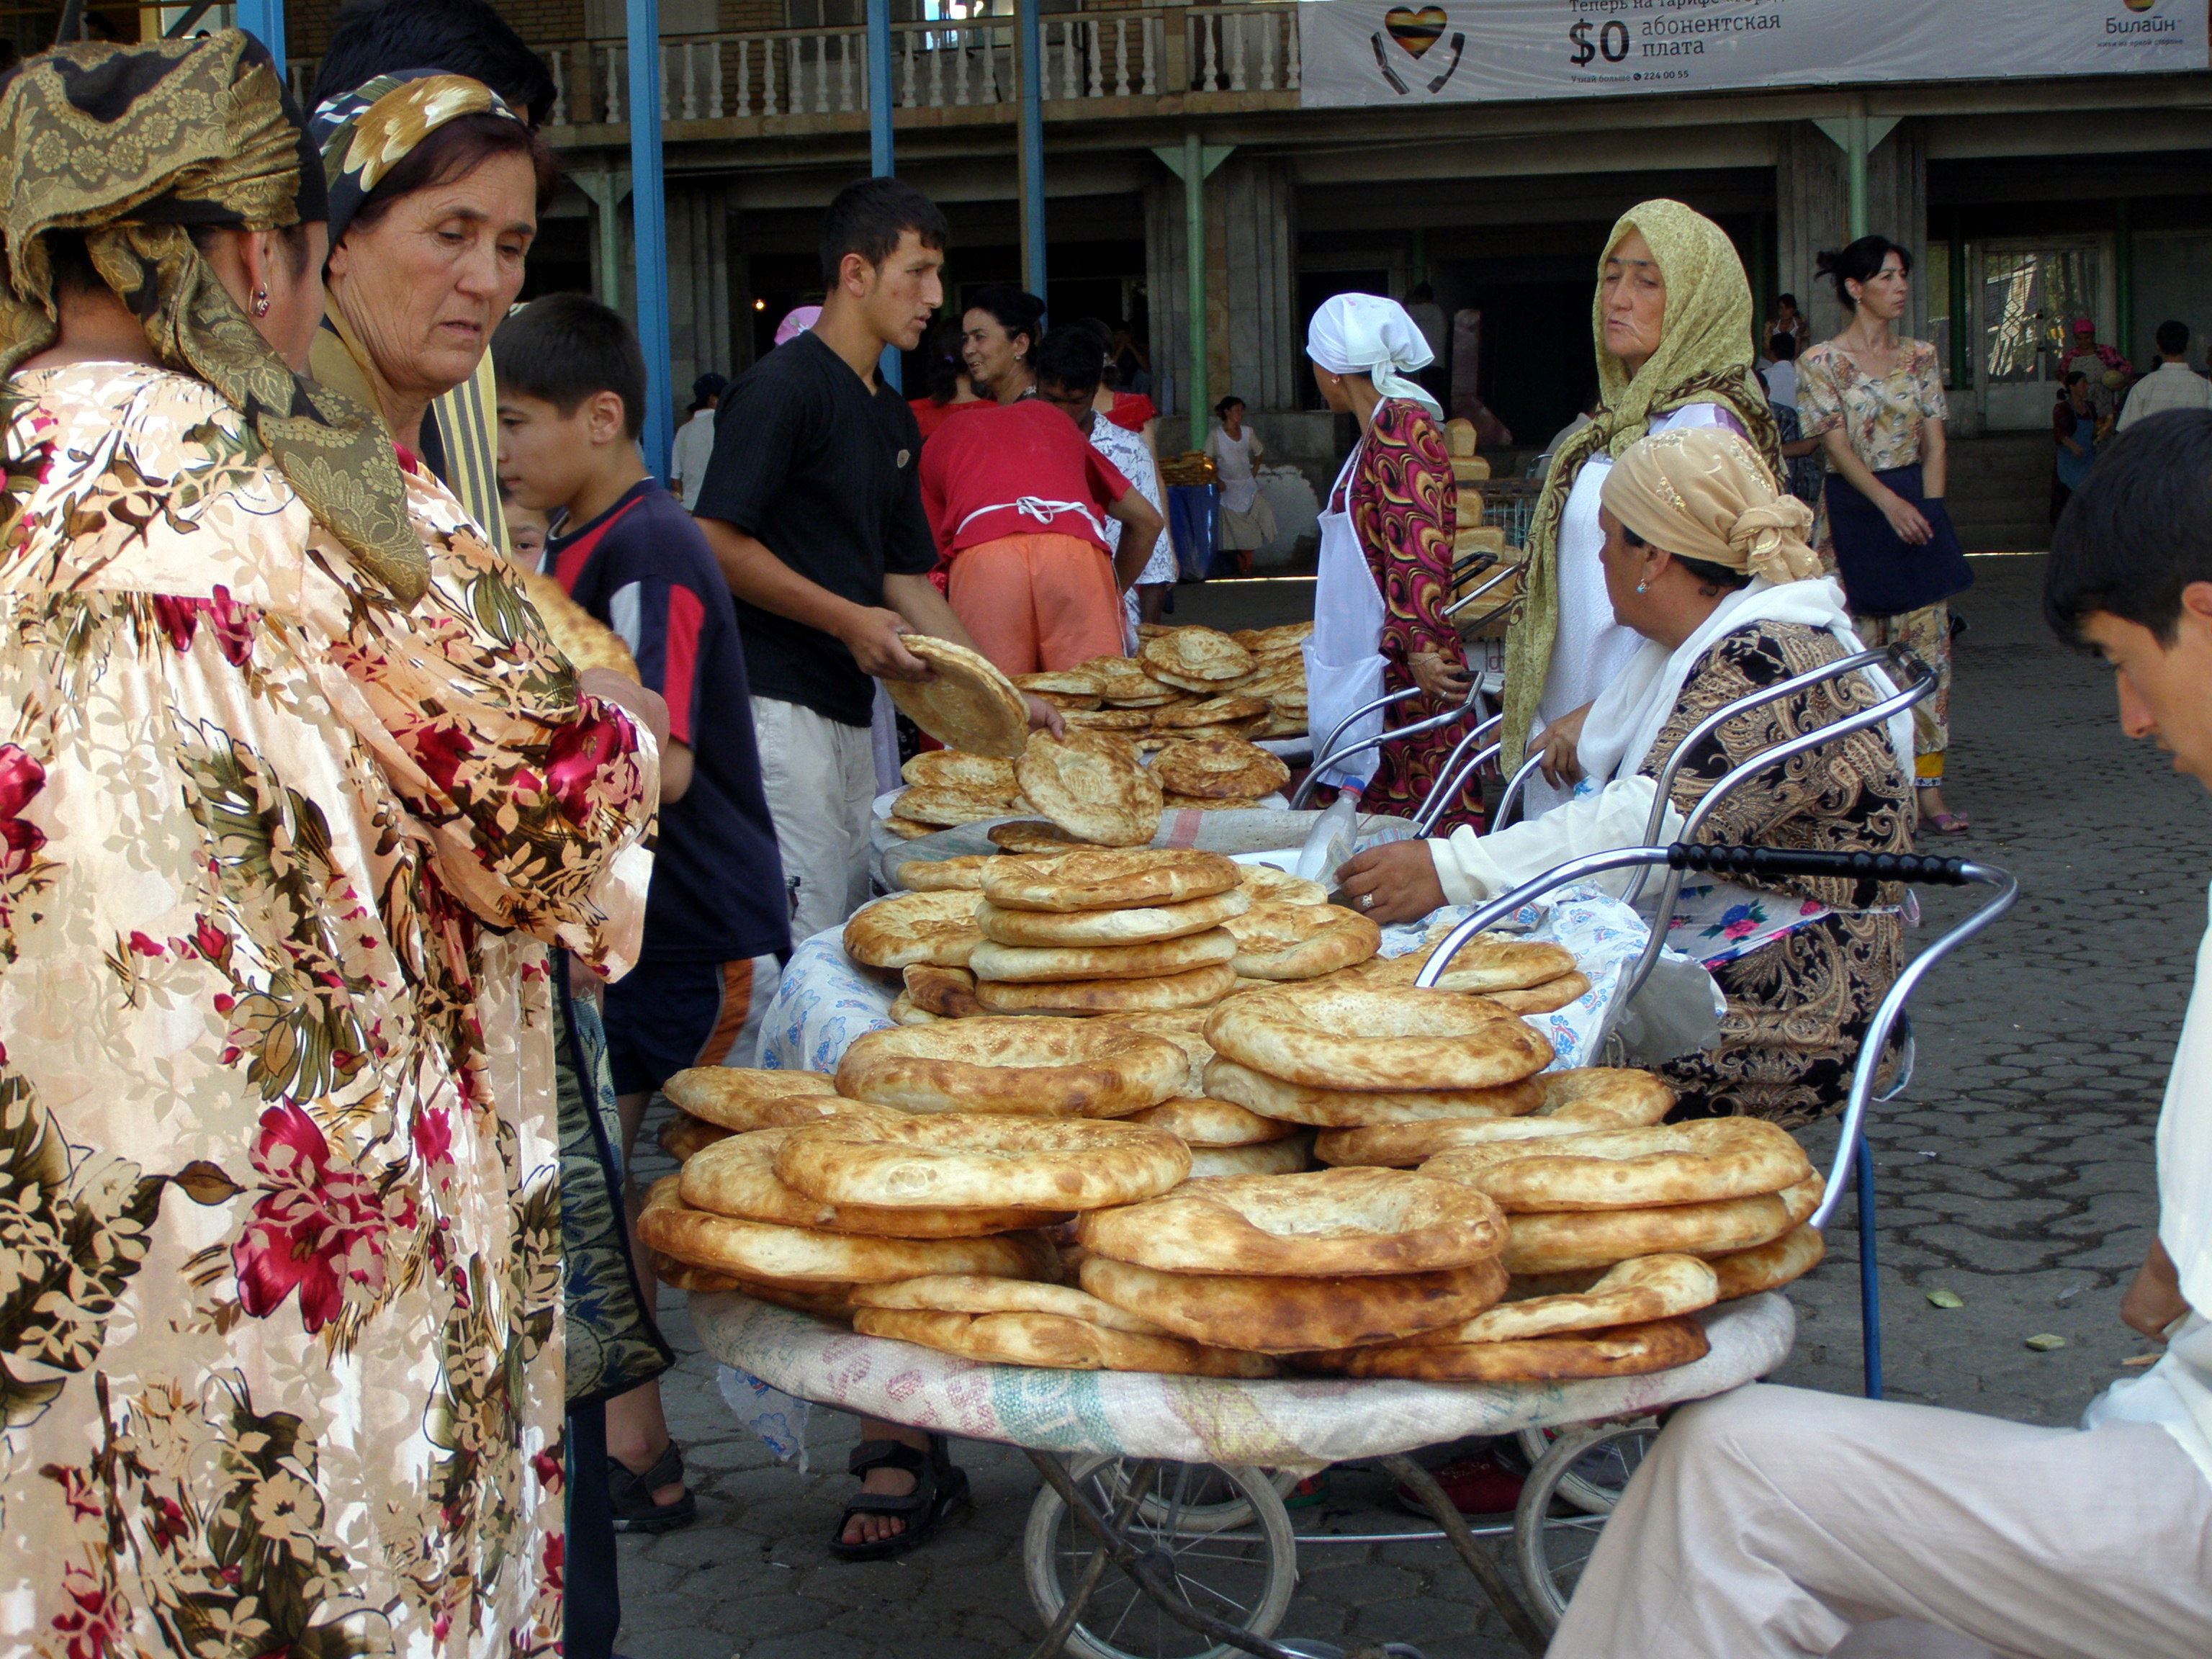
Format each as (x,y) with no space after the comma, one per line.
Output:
(1416,31)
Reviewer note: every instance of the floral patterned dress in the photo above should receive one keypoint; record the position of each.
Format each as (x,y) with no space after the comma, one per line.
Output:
(1798,1005)
(280,1337)
(1404,505)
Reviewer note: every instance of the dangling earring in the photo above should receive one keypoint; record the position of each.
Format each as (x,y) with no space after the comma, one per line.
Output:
(1642,587)
(261,302)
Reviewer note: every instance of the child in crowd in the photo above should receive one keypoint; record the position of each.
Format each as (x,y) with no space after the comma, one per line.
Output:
(526,530)
(717,920)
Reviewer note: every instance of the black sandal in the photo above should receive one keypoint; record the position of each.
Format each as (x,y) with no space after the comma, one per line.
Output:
(630,1495)
(939,1489)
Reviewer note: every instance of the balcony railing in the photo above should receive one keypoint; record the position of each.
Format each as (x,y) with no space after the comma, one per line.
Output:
(1087,57)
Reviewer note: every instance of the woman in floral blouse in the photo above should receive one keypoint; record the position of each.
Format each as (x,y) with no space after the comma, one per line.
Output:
(294,794)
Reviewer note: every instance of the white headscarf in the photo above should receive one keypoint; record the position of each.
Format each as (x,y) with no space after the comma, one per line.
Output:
(1366,334)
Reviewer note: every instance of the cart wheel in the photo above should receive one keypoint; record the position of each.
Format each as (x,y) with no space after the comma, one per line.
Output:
(1594,1485)
(1551,1548)
(1246,1579)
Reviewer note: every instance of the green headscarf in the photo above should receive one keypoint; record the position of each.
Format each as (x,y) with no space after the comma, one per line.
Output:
(1705,357)
(133,146)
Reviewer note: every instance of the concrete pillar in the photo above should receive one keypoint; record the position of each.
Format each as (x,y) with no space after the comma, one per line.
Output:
(1251,284)
(1813,210)
(699,290)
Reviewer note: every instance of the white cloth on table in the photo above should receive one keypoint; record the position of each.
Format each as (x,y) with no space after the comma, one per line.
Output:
(1590,648)
(2170,385)
(693,448)
(1771,1521)
(819,777)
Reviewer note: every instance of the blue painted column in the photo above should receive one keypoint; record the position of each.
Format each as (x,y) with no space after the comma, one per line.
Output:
(265,20)
(649,218)
(881,161)
(1028,36)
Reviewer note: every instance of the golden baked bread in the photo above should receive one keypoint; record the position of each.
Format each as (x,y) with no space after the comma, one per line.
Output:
(1267,884)
(1485,964)
(1186,1028)
(1117,878)
(968,1159)
(1268,641)
(1194,658)
(1218,766)
(1056,1342)
(1562,1241)
(1091,784)
(1039,965)
(1623,1351)
(583,639)
(1106,719)
(1122,681)
(1069,702)
(1272,1314)
(941,992)
(1572,1102)
(1202,987)
(943,875)
(954,768)
(1235,707)
(735,1096)
(685,1135)
(1693,1163)
(1768,1267)
(1199,1123)
(1289,1156)
(829,1304)
(948,806)
(1803,1198)
(1063,682)
(1633,1292)
(1327,1223)
(814,1258)
(1034,836)
(1348,1035)
(1551,995)
(966,704)
(736,1177)
(1035,1067)
(937,927)
(973,1293)
(1345,1108)
(910,829)
(683,1276)
(1280,940)
(1140,925)
(902,1011)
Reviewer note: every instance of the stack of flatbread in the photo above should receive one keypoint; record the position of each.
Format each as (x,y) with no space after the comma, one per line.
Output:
(1521,976)
(949,787)
(1213,770)
(1187,682)
(1135,930)
(1278,675)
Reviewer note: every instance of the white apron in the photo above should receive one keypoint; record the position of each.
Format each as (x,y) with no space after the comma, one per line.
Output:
(1343,656)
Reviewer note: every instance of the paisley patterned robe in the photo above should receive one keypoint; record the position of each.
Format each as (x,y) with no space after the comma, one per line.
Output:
(280,1349)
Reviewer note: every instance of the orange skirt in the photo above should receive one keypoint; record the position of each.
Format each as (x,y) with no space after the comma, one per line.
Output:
(1035,603)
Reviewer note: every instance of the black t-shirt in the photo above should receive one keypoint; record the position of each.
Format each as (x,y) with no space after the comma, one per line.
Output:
(642,567)
(823,473)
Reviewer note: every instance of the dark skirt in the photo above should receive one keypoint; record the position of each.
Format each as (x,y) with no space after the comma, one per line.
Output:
(1883,575)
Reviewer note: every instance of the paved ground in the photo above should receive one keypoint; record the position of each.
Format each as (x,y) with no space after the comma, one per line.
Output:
(2017,1176)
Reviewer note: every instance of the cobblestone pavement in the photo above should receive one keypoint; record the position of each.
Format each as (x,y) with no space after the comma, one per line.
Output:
(2017,1175)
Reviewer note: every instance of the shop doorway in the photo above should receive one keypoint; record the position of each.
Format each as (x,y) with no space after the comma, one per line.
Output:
(2026,296)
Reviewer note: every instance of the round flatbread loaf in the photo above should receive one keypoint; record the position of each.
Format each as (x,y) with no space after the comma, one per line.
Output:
(972,1293)
(967,1160)
(1768,1267)
(1289,1156)
(1572,1102)
(1033,835)
(1038,1067)
(1029,965)
(953,768)
(685,1135)
(1063,682)
(1331,1223)
(1301,941)
(1141,925)
(1202,987)
(812,1258)
(1352,1036)
(1268,1315)
(909,829)
(904,1012)
(1108,879)
(1108,719)
(1801,1200)
(1631,1293)
(1198,658)
(936,928)
(830,1304)
(1218,766)
(941,992)
(583,639)
(737,1096)
(1091,784)
(1694,1162)
(1068,703)
(1055,1342)
(683,1276)
(1547,998)
(1210,711)
(1623,1351)
(943,875)
(1267,884)
(1197,1122)
(1186,1028)
(1561,1241)
(1268,641)
(948,808)
(1337,1108)
(966,704)
(1486,963)
(736,1177)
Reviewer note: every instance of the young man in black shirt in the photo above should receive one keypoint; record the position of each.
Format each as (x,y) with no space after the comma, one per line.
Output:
(812,507)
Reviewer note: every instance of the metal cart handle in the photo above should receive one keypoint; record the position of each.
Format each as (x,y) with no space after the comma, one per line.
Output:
(1450,783)
(1474,593)
(1329,756)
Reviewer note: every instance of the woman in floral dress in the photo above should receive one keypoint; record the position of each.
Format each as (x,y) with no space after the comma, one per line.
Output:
(295,793)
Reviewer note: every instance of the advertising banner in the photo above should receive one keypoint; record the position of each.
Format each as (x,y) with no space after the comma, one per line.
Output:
(1374,52)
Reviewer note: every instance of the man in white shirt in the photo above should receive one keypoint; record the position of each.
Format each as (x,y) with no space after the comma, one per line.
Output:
(2172,384)
(694,443)
(1775,1522)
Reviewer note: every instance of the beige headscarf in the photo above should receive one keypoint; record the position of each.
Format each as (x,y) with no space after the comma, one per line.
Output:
(1703,357)
(1705,494)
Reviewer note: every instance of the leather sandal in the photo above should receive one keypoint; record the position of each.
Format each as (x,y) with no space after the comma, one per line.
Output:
(630,1494)
(939,1490)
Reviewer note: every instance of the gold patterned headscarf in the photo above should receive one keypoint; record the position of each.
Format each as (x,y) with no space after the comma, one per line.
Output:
(1705,494)
(133,146)
(1703,357)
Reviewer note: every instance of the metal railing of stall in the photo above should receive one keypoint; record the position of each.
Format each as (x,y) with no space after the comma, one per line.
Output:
(1326,754)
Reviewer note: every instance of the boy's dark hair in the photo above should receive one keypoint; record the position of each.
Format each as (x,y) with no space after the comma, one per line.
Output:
(1069,357)
(369,38)
(562,348)
(1783,348)
(1860,262)
(2138,531)
(2173,337)
(868,218)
